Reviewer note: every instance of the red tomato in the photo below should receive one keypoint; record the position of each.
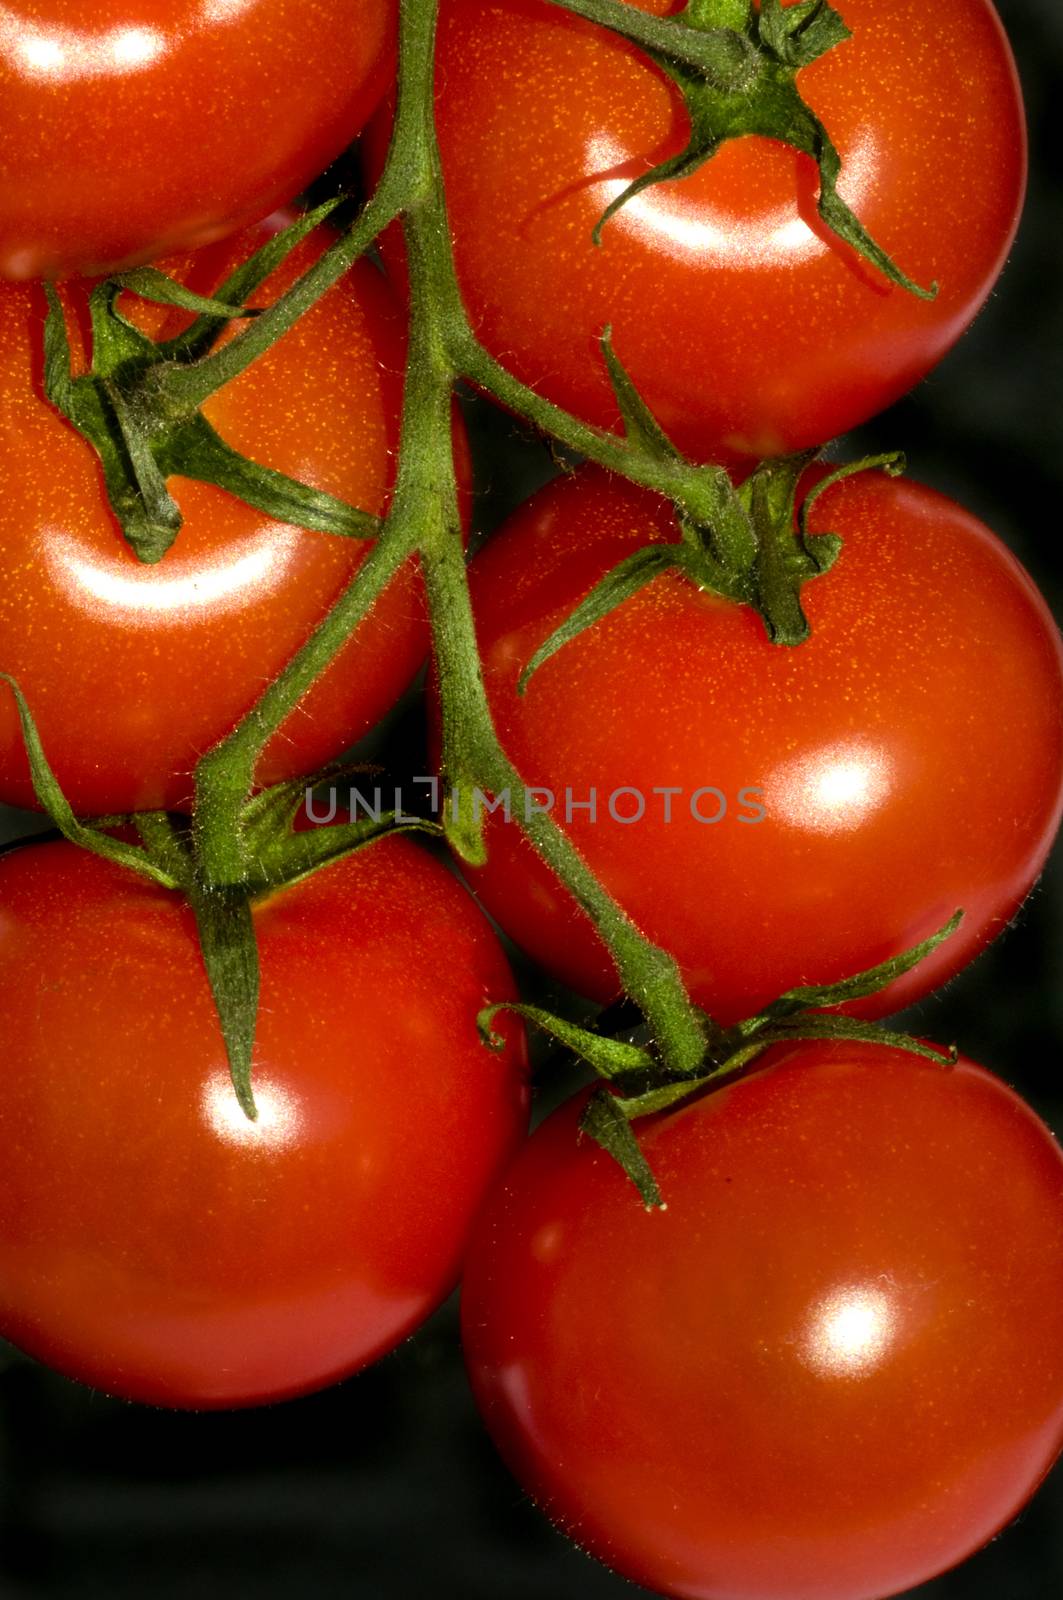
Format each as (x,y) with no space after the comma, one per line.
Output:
(131,130)
(747,327)
(133,671)
(832,1368)
(906,761)
(154,1242)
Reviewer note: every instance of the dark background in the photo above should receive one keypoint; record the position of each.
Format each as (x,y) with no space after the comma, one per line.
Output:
(387,1487)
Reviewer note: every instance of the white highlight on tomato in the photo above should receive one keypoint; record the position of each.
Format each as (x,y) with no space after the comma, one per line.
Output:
(851,1330)
(763,237)
(75,52)
(278,1122)
(179,586)
(831,790)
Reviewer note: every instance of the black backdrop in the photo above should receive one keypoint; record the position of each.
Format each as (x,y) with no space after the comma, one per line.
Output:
(386,1487)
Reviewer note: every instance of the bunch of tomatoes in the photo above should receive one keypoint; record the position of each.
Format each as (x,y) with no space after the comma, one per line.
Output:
(825,1360)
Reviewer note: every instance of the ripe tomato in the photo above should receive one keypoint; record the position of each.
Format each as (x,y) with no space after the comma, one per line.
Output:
(905,761)
(830,1369)
(153,1241)
(747,327)
(135,130)
(134,671)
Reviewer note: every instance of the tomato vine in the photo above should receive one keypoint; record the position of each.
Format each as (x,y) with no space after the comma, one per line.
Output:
(140,408)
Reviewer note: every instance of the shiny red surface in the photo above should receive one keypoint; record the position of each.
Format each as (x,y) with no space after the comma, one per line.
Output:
(909,755)
(134,671)
(137,127)
(832,1368)
(155,1243)
(746,326)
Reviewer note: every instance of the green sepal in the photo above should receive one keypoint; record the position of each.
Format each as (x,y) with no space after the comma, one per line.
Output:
(149,520)
(198,451)
(118,346)
(273,811)
(718,546)
(605,1122)
(609,1116)
(857,987)
(785,562)
(664,1096)
(295,856)
(148,283)
(154,515)
(806,1027)
(167,841)
(195,343)
(277,855)
(224,918)
(624,581)
(610,1058)
(719,540)
(812,1026)
(892,462)
(121,409)
(743,544)
(740,544)
(798,35)
(57,808)
(645,1089)
(767,103)
(641,427)
(58,362)
(230,954)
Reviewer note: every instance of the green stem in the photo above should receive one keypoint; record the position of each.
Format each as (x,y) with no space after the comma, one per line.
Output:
(398,187)
(609,450)
(225,776)
(722,56)
(692,487)
(424,521)
(475,764)
(187,387)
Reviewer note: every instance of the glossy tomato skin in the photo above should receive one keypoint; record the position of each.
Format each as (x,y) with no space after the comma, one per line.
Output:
(142,129)
(134,671)
(156,1244)
(746,326)
(906,760)
(830,1369)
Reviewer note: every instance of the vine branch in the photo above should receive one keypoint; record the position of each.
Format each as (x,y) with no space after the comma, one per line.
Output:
(423,523)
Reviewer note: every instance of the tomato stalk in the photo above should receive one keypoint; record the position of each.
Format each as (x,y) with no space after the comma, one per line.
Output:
(140,408)
(475,764)
(637,1084)
(423,521)
(722,55)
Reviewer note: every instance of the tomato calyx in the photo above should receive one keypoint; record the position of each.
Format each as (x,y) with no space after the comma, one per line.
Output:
(144,433)
(747,544)
(760,98)
(636,1083)
(275,856)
